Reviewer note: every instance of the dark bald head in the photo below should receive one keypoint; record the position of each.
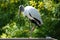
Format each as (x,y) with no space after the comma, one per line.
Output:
(21,8)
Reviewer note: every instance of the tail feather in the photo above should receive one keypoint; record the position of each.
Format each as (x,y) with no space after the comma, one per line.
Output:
(36,22)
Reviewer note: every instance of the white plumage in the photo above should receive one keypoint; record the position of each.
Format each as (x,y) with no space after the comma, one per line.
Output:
(34,13)
(31,13)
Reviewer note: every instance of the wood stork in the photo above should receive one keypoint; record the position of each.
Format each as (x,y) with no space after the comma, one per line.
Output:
(32,14)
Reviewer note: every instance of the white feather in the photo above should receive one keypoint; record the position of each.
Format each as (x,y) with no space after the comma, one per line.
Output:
(34,13)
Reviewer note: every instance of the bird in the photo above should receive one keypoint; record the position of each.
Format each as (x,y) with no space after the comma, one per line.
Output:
(32,14)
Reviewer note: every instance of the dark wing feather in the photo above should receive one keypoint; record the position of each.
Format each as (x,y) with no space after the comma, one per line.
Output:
(36,21)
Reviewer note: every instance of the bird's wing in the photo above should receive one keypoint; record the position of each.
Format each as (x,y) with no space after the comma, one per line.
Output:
(35,14)
(26,13)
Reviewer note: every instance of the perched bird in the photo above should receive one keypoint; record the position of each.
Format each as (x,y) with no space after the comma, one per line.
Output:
(32,14)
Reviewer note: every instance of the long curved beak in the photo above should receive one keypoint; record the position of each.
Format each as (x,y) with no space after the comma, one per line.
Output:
(19,12)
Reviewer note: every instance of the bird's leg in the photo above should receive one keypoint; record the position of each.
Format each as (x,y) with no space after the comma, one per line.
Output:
(30,31)
(33,28)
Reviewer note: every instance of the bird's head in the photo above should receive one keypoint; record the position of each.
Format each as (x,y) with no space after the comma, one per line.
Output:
(21,8)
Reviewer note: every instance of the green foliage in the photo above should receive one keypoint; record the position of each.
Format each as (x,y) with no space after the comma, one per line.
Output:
(13,27)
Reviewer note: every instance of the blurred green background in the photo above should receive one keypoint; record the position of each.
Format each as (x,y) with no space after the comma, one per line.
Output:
(12,27)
